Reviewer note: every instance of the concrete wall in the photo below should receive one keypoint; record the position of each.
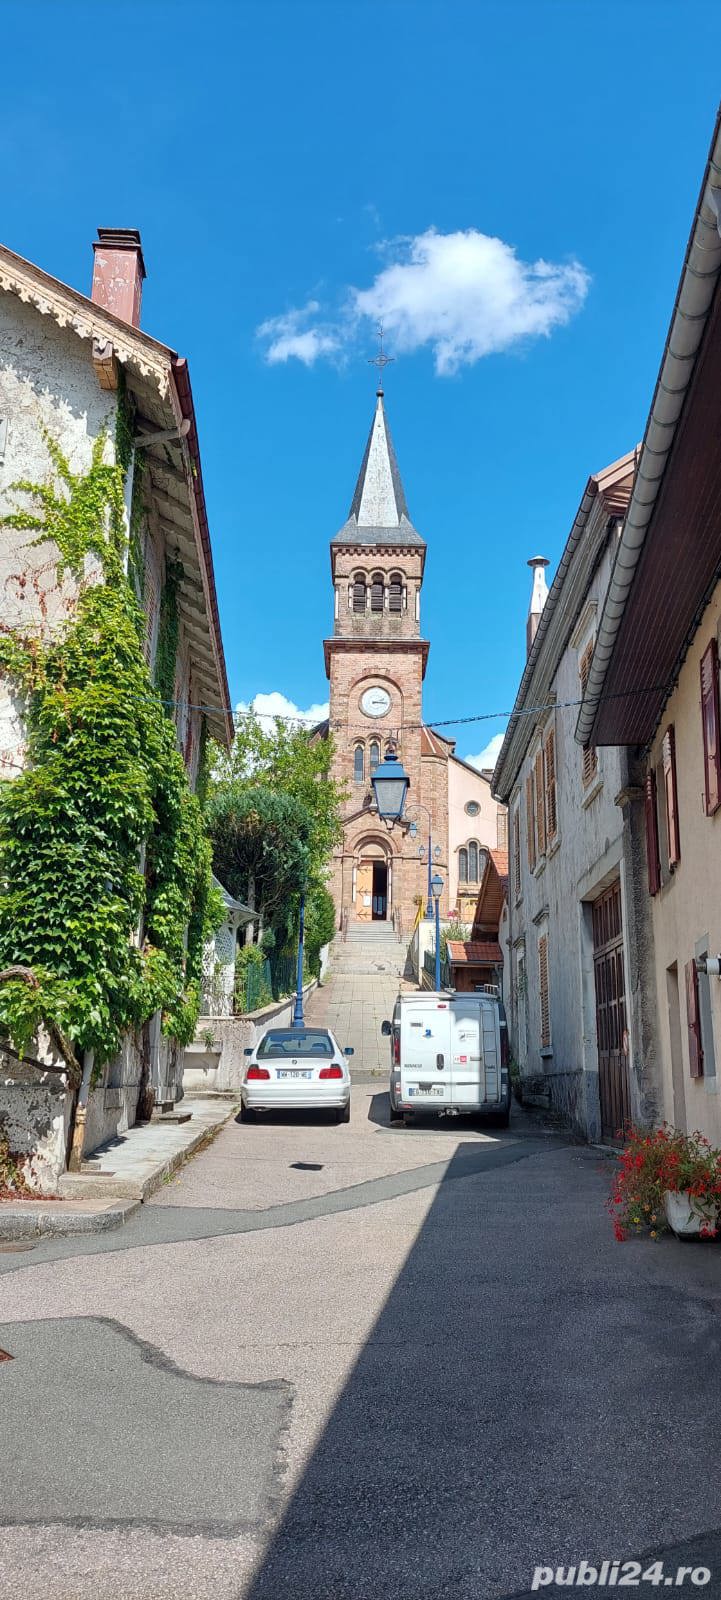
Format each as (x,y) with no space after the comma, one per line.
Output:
(34,1117)
(686,912)
(216,1061)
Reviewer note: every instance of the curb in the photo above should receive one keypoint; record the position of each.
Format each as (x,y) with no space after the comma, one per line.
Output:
(33,1221)
(94,1186)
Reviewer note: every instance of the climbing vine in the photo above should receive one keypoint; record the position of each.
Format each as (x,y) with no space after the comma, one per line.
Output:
(167,648)
(104,858)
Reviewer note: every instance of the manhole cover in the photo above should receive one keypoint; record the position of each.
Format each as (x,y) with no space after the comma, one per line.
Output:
(307,1166)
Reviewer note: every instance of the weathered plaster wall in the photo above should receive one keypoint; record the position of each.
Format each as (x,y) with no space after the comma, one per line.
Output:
(34,1117)
(468,787)
(686,912)
(587,854)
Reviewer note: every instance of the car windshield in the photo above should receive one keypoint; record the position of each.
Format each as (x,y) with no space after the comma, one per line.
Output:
(295,1042)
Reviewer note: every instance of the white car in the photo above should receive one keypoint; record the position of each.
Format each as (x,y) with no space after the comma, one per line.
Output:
(299,1069)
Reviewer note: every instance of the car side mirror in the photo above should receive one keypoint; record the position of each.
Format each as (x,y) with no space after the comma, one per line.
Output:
(247,1052)
(386,1030)
(349,1051)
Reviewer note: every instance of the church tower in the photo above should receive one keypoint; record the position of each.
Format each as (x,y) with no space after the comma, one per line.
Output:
(376,662)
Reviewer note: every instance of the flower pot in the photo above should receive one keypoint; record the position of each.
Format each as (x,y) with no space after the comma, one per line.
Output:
(687,1215)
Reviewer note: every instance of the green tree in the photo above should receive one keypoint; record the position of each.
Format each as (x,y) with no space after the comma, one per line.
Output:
(261,847)
(287,760)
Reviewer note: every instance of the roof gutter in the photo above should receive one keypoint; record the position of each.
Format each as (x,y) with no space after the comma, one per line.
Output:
(699,277)
(181,379)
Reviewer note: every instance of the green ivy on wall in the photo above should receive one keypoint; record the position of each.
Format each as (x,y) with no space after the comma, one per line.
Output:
(105,884)
(166,653)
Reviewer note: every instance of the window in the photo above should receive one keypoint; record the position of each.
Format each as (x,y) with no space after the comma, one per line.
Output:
(652,852)
(550,772)
(668,756)
(359,593)
(695,1047)
(395,592)
(472,861)
(531,821)
(543,991)
(539,786)
(710,716)
(472,808)
(359,764)
(463,866)
(517,852)
(377,591)
(590,759)
(375,755)
(501,830)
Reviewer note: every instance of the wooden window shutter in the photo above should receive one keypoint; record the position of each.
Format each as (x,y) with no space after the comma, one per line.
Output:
(543,991)
(517,852)
(540,804)
(550,763)
(151,601)
(395,593)
(590,758)
(652,853)
(669,781)
(695,1048)
(710,722)
(530,822)
(377,592)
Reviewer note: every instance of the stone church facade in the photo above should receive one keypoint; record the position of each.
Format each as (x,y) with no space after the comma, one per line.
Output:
(376,662)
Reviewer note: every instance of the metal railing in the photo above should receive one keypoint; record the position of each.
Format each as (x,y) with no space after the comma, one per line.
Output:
(262,982)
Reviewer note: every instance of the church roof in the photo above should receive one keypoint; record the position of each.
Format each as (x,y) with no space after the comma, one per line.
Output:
(378,513)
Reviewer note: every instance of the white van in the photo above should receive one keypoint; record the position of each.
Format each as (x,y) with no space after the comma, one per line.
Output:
(449,1052)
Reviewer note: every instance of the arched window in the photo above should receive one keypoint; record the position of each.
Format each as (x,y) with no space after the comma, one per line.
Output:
(359,765)
(359,592)
(395,592)
(375,755)
(377,591)
(472,861)
(463,866)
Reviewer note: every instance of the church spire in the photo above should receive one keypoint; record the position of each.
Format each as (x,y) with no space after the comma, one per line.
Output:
(379,513)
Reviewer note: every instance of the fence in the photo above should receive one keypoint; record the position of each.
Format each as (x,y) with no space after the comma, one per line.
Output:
(261,982)
(429,966)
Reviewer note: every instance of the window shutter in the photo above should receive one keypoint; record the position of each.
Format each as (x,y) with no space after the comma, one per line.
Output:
(590,759)
(669,781)
(652,855)
(695,1048)
(395,594)
(540,804)
(551,812)
(150,598)
(710,722)
(359,594)
(502,830)
(517,851)
(530,822)
(377,592)
(543,991)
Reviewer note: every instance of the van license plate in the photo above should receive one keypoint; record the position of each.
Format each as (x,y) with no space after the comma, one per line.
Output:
(428,1088)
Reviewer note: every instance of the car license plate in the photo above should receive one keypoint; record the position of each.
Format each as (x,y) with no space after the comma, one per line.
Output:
(427,1089)
(287,1072)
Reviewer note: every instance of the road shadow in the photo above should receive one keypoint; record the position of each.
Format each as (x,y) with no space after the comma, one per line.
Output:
(529,1394)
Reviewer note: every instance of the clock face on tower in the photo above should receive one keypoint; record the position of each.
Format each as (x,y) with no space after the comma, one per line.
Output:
(375,702)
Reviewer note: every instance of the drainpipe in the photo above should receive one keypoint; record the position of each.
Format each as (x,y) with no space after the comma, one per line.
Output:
(78,1139)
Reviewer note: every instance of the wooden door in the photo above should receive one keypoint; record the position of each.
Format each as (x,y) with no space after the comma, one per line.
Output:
(364,891)
(610,980)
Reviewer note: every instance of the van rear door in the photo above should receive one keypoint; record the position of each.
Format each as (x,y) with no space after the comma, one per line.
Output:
(425,1053)
(466,1052)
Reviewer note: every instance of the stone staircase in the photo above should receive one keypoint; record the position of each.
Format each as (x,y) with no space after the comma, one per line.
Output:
(369,947)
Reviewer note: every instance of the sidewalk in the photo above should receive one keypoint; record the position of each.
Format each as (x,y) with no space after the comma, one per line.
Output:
(124,1172)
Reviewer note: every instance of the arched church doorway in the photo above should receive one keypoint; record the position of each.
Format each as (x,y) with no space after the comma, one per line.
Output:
(372,882)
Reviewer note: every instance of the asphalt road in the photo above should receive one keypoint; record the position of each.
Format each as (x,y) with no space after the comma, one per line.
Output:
(340,1363)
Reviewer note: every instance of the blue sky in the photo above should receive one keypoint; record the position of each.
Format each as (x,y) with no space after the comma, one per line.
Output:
(350,155)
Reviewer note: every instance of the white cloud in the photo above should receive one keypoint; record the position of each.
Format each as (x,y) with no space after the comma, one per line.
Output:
(269,706)
(489,755)
(462,295)
(290,335)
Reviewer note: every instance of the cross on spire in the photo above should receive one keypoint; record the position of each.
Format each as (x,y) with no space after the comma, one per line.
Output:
(381,360)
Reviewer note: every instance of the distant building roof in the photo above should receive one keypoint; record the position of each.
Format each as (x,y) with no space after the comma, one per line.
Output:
(475,952)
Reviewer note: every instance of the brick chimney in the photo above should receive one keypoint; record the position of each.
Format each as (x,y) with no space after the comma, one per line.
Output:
(539,596)
(118,272)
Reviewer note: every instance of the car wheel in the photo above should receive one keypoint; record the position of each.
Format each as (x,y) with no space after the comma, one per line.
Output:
(247,1114)
(343,1115)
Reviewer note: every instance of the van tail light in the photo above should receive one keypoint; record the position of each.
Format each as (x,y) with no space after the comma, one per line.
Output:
(331,1072)
(396,1051)
(254,1073)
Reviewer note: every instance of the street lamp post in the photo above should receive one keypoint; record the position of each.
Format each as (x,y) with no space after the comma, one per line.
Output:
(437,890)
(298,1018)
